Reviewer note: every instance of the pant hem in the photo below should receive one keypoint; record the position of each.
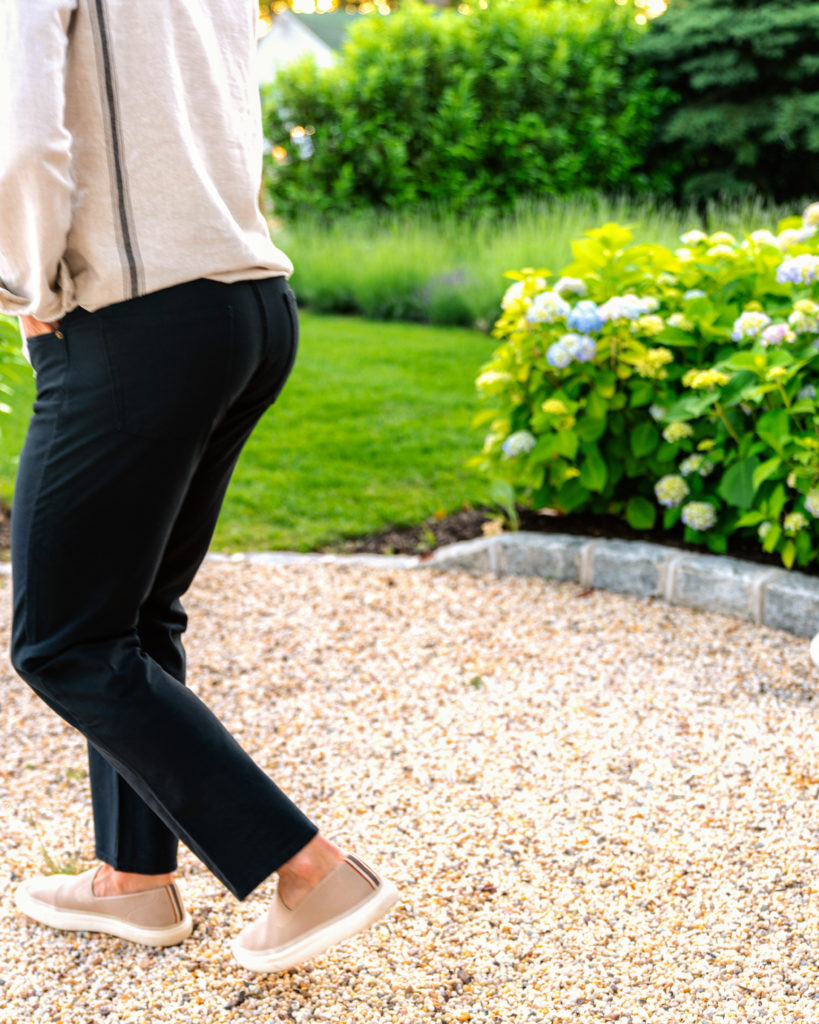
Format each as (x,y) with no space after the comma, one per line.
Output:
(282,855)
(137,867)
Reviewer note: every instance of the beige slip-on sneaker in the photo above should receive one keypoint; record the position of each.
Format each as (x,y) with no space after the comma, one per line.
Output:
(155,917)
(348,900)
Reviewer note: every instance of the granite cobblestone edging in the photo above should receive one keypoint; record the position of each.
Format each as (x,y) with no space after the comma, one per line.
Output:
(762,594)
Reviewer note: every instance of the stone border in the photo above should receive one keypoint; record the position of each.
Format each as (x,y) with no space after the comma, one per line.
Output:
(711,583)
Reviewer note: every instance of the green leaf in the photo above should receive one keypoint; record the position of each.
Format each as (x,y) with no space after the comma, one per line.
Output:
(752,518)
(772,540)
(644,440)
(503,494)
(777,501)
(737,484)
(640,513)
(593,472)
(766,470)
(773,427)
(596,405)
(788,554)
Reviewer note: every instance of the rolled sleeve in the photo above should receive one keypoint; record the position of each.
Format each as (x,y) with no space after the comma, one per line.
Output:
(35,159)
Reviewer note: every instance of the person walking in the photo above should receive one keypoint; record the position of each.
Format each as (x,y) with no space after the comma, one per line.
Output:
(160,325)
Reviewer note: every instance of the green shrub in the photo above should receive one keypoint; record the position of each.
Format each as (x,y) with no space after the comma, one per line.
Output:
(746,75)
(12,364)
(654,384)
(465,110)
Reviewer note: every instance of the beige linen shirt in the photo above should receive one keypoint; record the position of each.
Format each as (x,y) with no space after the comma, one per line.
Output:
(130,151)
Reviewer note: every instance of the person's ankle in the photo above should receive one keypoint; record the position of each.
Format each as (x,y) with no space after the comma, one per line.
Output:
(110,882)
(306,869)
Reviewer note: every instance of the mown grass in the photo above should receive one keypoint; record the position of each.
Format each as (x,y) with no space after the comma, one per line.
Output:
(372,430)
(433,266)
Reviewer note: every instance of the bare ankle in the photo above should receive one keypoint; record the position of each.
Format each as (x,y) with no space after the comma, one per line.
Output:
(110,882)
(306,869)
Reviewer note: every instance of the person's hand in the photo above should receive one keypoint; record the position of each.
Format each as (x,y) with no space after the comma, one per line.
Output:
(31,326)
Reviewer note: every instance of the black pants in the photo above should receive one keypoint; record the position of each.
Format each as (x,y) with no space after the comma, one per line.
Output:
(142,409)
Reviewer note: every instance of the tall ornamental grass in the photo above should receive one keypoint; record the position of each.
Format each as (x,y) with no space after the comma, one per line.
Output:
(436,266)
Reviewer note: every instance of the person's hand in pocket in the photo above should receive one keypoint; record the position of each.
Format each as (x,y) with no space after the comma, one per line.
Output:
(31,326)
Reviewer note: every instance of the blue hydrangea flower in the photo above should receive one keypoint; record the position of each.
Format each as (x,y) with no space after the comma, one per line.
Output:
(699,515)
(802,269)
(558,356)
(808,391)
(579,346)
(518,444)
(584,317)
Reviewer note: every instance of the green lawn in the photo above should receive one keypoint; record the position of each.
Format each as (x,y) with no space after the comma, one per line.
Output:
(372,430)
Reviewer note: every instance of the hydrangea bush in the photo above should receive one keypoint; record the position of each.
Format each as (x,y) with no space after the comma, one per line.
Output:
(665,386)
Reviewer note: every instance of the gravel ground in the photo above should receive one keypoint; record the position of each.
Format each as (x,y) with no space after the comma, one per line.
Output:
(597,808)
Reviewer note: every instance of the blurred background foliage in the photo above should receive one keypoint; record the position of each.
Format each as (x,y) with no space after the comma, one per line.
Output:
(552,98)
(433,106)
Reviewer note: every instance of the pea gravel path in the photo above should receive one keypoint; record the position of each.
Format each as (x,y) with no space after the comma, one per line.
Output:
(597,808)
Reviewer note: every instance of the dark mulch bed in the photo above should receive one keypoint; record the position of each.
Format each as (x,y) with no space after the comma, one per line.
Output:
(469,523)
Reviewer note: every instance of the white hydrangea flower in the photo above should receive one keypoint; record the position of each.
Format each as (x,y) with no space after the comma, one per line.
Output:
(684,255)
(699,515)
(812,499)
(750,324)
(794,236)
(720,250)
(722,238)
(677,432)
(693,237)
(810,216)
(671,491)
(571,286)
(794,523)
(696,463)
(626,307)
(763,237)
(546,307)
(802,323)
(681,322)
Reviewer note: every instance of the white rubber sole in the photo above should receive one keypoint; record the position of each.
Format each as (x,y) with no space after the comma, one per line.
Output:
(86,921)
(315,942)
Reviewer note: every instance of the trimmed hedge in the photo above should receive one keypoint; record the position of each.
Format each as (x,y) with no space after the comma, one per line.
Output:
(431,106)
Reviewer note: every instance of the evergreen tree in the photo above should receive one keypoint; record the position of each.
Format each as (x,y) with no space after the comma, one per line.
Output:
(747,76)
